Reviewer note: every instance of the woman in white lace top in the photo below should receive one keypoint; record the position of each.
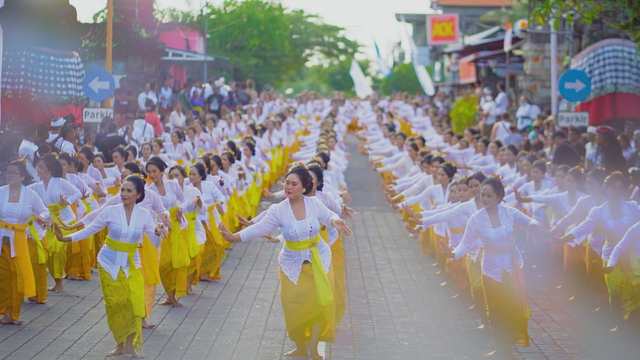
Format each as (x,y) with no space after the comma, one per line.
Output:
(614,218)
(306,275)
(502,277)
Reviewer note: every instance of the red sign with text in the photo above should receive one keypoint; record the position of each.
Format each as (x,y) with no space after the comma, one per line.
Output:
(443,29)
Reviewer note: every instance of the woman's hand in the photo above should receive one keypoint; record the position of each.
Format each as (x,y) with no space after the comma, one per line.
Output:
(166,219)
(220,209)
(268,194)
(42,222)
(271,239)
(179,216)
(62,224)
(347,212)
(58,232)
(447,251)
(85,193)
(161,231)
(116,181)
(226,234)
(198,201)
(244,221)
(516,192)
(563,240)
(341,225)
(63,200)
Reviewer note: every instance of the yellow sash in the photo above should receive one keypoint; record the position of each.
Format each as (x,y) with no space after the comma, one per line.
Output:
(52,241)
(87,205)
(26,279)
(149,261)
(213,227)
(323,286)
(113,190)
(136,282)
(192,241)
(179,253)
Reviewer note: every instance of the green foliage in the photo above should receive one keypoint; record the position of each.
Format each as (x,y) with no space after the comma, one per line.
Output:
(403,78)
(325,78)
(623,15)
(463,113)
(265,41)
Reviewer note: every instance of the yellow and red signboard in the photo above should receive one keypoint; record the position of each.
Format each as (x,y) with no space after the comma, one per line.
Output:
(443,29)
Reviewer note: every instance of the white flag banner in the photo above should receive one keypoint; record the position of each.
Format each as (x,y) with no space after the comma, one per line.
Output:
(363,89)
(382,65)
(421,72)
(508,37)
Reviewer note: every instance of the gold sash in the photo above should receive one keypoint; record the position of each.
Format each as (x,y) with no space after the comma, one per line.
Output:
(136,282)
(323,286)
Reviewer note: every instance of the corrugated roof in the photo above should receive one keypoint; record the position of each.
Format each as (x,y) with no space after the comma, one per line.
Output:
(476,3)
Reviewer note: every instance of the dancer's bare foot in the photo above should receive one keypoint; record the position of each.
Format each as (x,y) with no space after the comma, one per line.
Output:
(166,302)
(9,321)
(74,278)
(174,303)
(58,287)
(296,353)
(119,350)
(146,325)
(133,353)
(207,279)
(190,291)
(35,300)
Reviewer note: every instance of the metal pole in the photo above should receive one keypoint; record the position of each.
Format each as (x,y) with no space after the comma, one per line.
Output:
(206,26)
(507,75)
(554,69)
(109,44)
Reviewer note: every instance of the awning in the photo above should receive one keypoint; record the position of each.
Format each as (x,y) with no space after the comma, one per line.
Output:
(495,54)
(190,56)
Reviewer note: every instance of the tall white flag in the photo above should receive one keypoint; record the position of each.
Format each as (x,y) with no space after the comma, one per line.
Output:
(421,72)
(382,65)
(363,89)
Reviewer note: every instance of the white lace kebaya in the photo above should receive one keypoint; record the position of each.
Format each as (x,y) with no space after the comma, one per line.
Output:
(498,242)
(281,216)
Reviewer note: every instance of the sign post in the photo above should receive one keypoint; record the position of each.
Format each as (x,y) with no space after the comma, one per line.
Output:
(443,29)
(573,119)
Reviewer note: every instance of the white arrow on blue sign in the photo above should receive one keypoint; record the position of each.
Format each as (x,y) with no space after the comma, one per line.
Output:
(574,85)
(98,85)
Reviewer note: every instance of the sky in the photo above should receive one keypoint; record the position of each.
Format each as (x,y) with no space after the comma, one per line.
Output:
(363,20)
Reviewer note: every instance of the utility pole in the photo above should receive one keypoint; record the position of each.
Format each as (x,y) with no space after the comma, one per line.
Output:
(554,68)
(206,27)
(109,45)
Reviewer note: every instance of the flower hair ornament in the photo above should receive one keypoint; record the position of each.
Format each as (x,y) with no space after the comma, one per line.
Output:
(496,176)
(579,168)
(138,175)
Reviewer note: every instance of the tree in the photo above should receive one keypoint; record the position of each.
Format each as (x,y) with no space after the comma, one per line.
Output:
(623,15)
(403,78)
(324,78)
(266,42)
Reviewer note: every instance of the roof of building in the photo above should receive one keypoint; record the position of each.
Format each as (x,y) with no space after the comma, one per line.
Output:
(476,3)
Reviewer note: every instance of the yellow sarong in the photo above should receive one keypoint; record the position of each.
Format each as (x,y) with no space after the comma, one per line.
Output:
(136,282)
(26,279)
(323,286)
(174,259)
(57,249)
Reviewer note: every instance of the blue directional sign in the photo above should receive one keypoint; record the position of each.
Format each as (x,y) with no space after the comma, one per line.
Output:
(574,85)
(98,85)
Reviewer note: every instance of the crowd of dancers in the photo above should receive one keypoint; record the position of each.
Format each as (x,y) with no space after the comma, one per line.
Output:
(167,212)
(488,211)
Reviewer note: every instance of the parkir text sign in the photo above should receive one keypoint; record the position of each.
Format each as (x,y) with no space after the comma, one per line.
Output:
(443,29)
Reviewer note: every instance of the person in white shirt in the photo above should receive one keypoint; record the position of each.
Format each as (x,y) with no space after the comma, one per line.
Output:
(28,149)
(166,94)
(54,138)
(502,100)
(147,94)
(119,260)
(177,119)
(526,113)
(488,112)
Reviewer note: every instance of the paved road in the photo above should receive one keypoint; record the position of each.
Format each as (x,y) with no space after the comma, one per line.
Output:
(397,308)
